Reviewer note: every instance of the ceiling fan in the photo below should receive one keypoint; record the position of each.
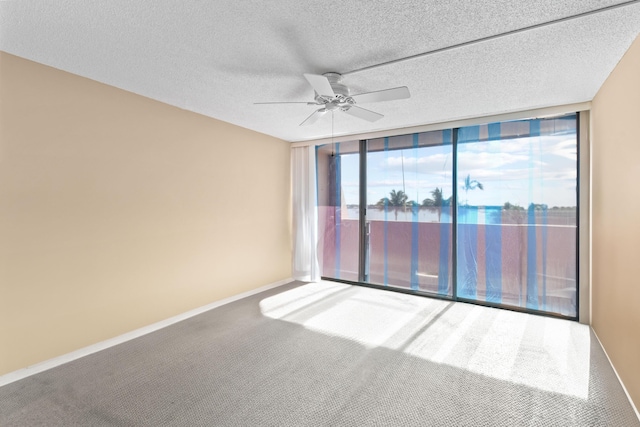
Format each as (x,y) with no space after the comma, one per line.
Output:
(332,95)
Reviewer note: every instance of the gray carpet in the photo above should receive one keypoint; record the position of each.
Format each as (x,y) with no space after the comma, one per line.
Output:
(330,354)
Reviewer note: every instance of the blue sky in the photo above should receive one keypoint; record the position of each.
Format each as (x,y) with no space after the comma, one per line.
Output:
(521,171)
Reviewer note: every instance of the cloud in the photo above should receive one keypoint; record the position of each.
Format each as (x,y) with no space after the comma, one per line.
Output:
(432,161)
(471,161)
(566,148)
(524,174)
(516,169)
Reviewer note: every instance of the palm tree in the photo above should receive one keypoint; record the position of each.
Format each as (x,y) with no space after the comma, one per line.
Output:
(470,184)
(436,203)
(398,199)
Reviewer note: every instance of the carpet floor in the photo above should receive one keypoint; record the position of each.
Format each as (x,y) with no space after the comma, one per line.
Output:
(330,354)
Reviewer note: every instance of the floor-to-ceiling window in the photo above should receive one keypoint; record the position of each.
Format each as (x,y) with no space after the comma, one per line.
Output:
(338,209)
(409,189)
(517,216)
(483,213)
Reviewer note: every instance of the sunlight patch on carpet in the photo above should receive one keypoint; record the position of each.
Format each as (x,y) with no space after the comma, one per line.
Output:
(545,353)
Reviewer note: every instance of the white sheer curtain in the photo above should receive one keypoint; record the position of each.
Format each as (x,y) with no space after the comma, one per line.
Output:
(305,214)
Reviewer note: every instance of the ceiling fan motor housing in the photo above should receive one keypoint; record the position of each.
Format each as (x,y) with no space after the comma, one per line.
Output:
(341,99)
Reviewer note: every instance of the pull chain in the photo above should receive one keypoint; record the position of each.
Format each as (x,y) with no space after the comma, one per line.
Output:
(333,144)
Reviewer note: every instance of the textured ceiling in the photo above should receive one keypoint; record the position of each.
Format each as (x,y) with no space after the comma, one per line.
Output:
(219,57)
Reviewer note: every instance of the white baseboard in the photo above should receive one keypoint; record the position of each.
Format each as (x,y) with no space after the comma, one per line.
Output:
(616,372)
(85,351)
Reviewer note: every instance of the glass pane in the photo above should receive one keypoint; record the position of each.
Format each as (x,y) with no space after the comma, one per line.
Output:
(409,186)
(338,209)
(517,199)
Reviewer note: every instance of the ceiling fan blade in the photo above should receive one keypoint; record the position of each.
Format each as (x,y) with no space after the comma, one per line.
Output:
(320,84)
(313,117)
(383,95)
(361,113)
(284,102)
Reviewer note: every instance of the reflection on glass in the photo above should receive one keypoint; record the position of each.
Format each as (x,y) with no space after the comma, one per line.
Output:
(408,212)
(338,209)
(517,216)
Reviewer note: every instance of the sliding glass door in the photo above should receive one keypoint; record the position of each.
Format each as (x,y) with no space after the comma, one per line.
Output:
(409,188)
(517,216)
(483,214)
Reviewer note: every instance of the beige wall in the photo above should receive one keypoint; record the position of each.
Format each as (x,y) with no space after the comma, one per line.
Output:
(615,218)
(117,211)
